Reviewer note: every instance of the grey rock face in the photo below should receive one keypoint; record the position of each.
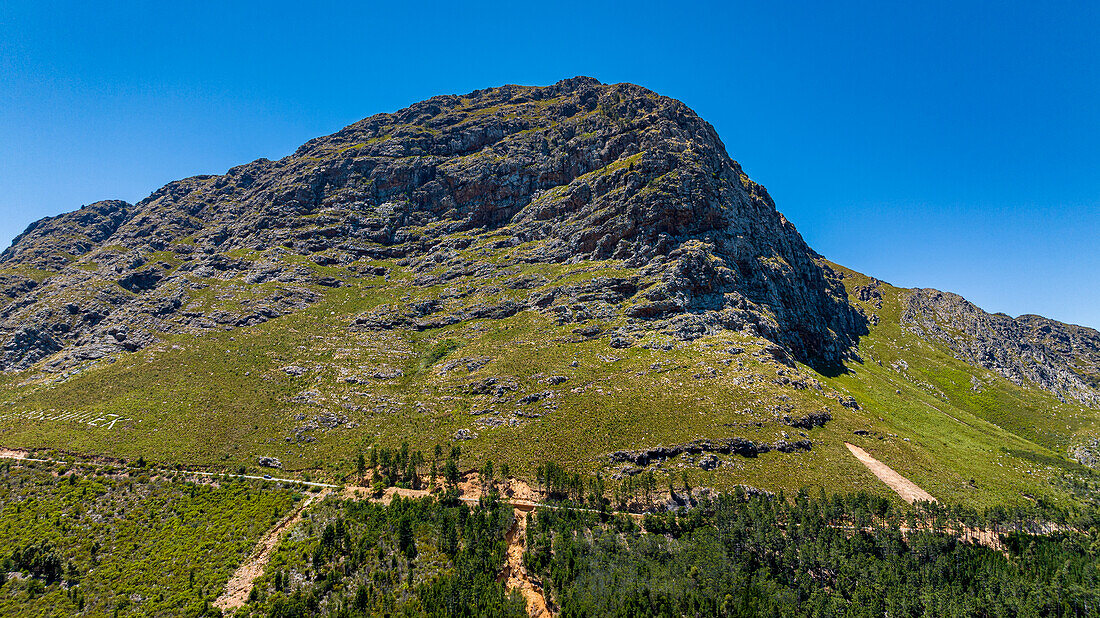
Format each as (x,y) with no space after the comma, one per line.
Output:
(729,446)
(28,345)
(578,170)
(1061,358)
(1087,453)
(809,421)
(50,243)
(270,462)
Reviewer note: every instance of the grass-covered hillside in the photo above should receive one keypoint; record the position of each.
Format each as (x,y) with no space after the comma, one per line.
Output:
(577,274)
(316,387)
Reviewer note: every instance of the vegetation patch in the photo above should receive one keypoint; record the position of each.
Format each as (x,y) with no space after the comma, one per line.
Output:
(411,557)
(101,542)
(759,555)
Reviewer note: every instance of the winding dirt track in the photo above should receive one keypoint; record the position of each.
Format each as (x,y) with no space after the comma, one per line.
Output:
(515,574)
(524,500)
(908,490)
(240,585)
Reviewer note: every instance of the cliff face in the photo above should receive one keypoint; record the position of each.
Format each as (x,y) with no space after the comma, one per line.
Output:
(1061,358)
(571,172)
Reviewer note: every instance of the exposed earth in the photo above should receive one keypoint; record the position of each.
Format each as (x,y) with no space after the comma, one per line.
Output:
(908,490)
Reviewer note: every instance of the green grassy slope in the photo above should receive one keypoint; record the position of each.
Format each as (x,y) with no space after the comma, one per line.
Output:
(312,390)
(963,422)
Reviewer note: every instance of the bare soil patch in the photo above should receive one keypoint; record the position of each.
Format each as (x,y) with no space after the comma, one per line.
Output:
(515,575)
(908,490)
(387,496)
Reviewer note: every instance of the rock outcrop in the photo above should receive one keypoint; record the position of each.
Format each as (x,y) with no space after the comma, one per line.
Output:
(730,446)
(51,243)
(1061,358)
(570,172)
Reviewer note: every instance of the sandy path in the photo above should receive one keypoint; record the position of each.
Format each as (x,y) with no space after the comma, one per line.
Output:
(515,574)
(240,585)
(387,496)
(908,490)
(523,500)
(10,454)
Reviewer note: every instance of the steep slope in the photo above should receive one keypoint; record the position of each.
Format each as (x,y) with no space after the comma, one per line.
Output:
(575,273)
(1061,358)
(574,171)
(957,413)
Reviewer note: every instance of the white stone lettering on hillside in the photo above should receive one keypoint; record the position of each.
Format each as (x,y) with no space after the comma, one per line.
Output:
(105,420)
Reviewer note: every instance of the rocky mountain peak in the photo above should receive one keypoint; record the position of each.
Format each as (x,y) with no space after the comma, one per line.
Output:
(571,172)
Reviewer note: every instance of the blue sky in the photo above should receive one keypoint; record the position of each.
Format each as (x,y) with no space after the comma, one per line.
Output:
(937,144)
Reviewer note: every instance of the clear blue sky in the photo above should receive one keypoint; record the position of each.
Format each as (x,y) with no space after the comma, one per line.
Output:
(936,144)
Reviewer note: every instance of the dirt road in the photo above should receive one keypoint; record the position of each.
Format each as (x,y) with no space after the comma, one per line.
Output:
(240,585)
(908,490)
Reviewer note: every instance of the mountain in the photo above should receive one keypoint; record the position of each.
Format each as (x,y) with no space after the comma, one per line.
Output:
(1061,358)
(576,171)
(577,272)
